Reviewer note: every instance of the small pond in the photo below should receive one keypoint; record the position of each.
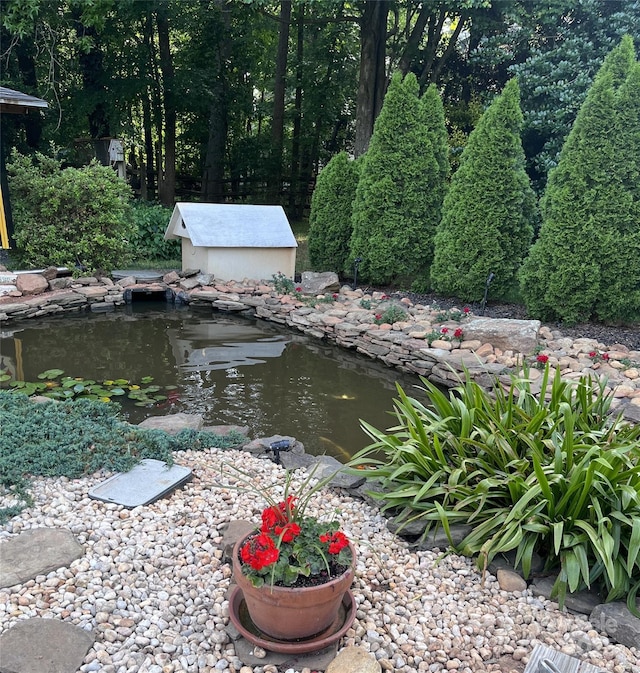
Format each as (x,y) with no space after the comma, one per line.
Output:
(230,369)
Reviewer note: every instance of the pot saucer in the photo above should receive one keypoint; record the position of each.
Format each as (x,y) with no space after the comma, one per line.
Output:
(239,616)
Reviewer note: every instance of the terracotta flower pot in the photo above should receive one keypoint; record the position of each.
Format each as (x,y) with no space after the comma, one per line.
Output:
(290,613)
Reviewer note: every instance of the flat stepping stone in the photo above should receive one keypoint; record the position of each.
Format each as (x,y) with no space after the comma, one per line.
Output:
(147,276)
(39,645)
(173,423)
(148,481)
(36,552)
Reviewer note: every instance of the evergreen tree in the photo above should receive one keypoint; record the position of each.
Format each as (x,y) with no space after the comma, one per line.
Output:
(399,194)
(586,262)
(330,217)
(439,138)
(490,210)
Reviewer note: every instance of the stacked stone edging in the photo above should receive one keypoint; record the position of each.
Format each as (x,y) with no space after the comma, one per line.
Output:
(488,348)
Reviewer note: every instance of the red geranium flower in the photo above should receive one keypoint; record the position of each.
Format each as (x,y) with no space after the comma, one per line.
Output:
(288,532)
(337,541)
(458,333)
(445,330)
(466,309)
(542,358)
(259,551)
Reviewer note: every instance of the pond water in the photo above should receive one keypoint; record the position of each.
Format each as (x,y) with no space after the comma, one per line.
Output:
(230,369)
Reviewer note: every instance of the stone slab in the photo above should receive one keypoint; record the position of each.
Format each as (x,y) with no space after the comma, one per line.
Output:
(615,619)
(173,423)
(147,482)
(545,660)
(36,552)
(44,646)
(147,276)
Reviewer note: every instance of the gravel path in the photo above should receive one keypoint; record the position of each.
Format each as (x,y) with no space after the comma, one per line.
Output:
(153,586)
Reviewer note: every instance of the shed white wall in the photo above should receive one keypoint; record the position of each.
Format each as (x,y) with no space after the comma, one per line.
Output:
(239,263)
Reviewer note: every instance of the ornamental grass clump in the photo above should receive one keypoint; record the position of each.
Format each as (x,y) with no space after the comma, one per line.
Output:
(291,548)
(555,475)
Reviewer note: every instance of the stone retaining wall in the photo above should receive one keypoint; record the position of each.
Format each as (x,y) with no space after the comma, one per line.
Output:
(429,342)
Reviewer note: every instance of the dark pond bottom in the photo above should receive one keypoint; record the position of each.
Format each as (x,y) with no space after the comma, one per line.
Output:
(230,369)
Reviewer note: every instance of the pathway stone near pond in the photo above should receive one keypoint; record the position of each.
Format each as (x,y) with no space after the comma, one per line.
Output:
(44,646)
(36,552)
(173,423)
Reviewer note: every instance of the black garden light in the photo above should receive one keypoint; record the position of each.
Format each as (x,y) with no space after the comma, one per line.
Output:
(356,264)
(490,277)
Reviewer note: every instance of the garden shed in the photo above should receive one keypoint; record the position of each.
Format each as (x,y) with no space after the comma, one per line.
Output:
(234,242)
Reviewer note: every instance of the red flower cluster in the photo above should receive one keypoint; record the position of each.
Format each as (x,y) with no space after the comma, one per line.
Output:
(337,541)
(466,309)
(445,330)
(458,333)
(277,520)
(542,359)
(259,551)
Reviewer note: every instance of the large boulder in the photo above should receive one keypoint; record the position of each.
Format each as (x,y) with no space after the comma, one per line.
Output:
(31,283)
(515,335)
(319,283)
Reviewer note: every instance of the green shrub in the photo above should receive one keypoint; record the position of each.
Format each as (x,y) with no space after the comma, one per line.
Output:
(390,315)
(586,263)
(69,216)
(399,195)
(76,438)
(330,217)
(490,210)
(556,476)
(150,222)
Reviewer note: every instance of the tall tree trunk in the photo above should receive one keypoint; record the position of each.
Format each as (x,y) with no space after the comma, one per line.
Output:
(27,65)
(413,43)
(167,170)
(296,198)
(213,173)
(372,81)
(92,69)
(277,125)
(147,178)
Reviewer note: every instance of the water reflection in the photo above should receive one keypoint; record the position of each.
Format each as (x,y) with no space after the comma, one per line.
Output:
(230,369)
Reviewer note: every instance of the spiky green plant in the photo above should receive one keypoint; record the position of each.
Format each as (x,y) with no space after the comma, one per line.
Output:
(555,474)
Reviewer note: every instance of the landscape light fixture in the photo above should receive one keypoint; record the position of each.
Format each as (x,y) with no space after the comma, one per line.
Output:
(356,264)
(490,277)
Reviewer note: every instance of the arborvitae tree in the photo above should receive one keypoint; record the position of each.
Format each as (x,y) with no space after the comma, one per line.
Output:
(330,217)
(586,262)
(399,195)
(437,130)
(490,210)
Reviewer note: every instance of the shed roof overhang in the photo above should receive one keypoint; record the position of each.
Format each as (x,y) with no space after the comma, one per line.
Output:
(16,102)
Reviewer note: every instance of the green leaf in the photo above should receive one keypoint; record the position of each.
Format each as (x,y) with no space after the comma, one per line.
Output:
(51,374)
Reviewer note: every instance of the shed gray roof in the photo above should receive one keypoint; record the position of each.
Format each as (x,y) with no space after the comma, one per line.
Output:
(18,102)
(222,225)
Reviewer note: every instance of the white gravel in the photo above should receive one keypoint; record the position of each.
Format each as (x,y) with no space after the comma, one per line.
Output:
(153,586)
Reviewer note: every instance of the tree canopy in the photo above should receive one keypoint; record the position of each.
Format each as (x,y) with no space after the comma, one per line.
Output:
(248,100)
